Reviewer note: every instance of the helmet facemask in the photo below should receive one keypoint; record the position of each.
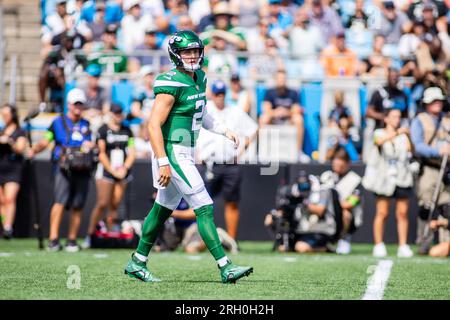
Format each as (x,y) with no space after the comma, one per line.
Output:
(190,67)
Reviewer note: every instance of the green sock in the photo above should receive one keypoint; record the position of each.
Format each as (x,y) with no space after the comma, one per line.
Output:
(208,231)
(152,227)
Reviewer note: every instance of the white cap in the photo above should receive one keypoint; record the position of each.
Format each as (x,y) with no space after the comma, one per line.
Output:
(128,4)
(76,95)
(432,94)
(145,70)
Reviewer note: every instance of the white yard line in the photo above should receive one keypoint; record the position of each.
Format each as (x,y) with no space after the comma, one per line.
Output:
(5,254)
(378,281)
(194,258)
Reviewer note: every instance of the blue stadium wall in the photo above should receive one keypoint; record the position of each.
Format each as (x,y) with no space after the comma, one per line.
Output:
(258,198)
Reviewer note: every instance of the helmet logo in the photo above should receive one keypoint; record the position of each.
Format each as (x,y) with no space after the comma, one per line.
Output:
(175,39)
(191,44)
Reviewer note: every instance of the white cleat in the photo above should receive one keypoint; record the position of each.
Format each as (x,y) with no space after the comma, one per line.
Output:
(343,247)
(404,251)
(379,250)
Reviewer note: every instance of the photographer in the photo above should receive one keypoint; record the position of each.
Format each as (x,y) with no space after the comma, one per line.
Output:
(430,136)
(442,249)
(73,162)
(348,186)
(390,176)
(12,146)
(308,217)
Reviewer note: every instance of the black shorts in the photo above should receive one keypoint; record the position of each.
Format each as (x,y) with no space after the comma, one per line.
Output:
(10,172)
(399,193)
(315,240)
(71,189)
(109,177)
(226,179)
(103,174)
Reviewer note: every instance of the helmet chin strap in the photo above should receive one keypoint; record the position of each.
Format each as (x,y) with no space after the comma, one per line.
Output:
(191,67)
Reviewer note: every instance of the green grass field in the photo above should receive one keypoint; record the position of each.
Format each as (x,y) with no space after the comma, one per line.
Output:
(27,273)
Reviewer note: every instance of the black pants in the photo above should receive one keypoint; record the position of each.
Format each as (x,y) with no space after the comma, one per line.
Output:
(226,179)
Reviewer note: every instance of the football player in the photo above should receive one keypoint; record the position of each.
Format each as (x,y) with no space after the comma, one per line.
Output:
(177,115)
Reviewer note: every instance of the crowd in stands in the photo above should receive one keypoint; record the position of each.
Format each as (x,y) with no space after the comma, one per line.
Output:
(260,40)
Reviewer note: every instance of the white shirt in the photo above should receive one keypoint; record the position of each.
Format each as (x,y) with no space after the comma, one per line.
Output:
(133,31)
(198,9)
(218,148)
(54,26)
(155,8)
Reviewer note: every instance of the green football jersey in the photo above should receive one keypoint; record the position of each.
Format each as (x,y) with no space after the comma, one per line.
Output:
(185,118)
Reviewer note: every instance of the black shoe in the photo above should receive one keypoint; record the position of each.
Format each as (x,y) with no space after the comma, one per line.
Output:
(54,245)
(72,246)
(7,234)
(424,249)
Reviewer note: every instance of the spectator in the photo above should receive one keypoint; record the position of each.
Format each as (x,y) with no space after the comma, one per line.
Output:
(61,22)
(175,9)
(266,63)
(393,178)
(430,55)
(52,74)
(338,60)
(220,60)
(280,106)
(201,12)
(80,16)
(223,172)
(12,147)
(113,12)
(238,96)
(69,132)
(430,137)
(387,97)
(143,99)
(134,25)
(116,155)
(348,186)
(359,19)
(417,7)
(377,63)
(339,111)
(346,139)
(107,55)
(54,23)
(249,12)
(142,58)
(185,23)
(305,40)
(279,22)
(154,9)
(87,10)
(326,19)
(392,24)
(97,98)
(256,40)
(222,28)
(408,44)
(98,23)
(428,18)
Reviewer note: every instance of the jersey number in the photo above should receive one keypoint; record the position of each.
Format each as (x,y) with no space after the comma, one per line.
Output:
(196,125)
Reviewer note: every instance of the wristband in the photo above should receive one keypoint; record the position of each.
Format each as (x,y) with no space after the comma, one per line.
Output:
(164,161)
(353,200)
